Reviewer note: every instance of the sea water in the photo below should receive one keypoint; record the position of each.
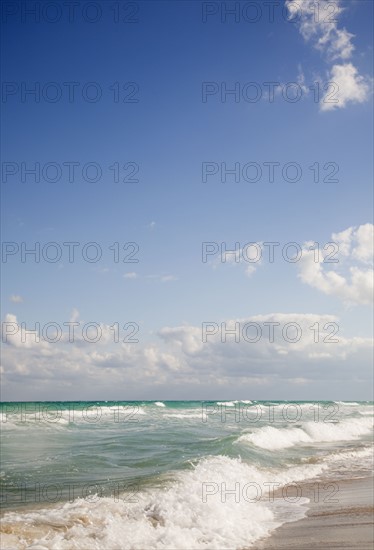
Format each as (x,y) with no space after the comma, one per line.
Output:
(172,474)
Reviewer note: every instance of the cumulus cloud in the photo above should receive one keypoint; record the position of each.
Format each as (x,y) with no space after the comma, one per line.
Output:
(347,86)
(260,337)
(19,336)
(322,29)
(186,338)
(351,275)
(293,349)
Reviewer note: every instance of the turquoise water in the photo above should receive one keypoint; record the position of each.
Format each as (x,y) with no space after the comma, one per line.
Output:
(151,474)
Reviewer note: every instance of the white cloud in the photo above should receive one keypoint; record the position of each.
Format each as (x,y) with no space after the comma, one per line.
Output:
(355,284)
(347,86)
(187,338)
(162,278)
(356,242)
(301,81)
(242,353)
(340,44)
(250,270)
(344,240)
(249,257)
(363,249)
(168,278)
(321,353)
(130,275)
(322,29)
(74,315)
(16,299)
(181,362)
(19,336)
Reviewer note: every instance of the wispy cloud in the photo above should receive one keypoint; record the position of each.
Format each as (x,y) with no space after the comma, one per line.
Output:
(130,275)
(74,315)
(168,278)
(162,278)
(320,27)
(238,256)
(16,299)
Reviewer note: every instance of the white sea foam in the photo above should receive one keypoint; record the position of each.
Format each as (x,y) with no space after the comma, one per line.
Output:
(353,459)
(182,415)
(173,518)
(271,438)
(347,430)
(233,403)
(349,403)
(58,417)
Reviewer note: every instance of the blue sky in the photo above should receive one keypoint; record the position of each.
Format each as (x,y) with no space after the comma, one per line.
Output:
(168,133)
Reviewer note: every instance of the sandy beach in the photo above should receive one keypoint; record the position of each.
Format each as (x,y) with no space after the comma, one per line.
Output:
(346,524)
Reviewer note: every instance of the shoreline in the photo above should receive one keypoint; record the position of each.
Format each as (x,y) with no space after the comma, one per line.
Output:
(345,524)
(338,520)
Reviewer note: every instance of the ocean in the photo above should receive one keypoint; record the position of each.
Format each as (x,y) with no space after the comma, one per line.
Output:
(172,475)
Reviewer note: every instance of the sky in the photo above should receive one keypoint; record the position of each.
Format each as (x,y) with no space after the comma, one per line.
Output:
(153,137)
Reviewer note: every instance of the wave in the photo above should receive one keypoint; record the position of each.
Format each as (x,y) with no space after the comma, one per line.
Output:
(232,403)
(57,417)
(352,459)
(271,438)
(350,403)
(188,513)
(182,415)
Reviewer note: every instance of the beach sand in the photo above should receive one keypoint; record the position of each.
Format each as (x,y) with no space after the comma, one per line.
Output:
(345,524)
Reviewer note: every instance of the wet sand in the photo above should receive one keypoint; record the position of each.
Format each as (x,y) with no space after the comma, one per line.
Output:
(345,524)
